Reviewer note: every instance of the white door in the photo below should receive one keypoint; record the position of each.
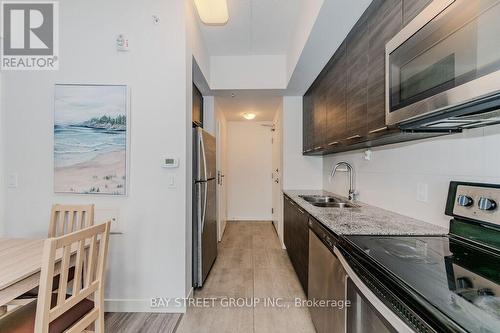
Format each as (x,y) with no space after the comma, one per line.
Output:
(221,179)
(249,169)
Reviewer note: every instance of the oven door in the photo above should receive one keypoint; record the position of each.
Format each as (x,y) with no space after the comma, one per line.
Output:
(447,56)
(362,316)
(367,313)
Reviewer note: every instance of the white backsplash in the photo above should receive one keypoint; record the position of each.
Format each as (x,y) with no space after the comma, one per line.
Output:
(413,178)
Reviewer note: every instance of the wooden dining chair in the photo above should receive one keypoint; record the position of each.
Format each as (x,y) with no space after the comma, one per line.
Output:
(57,312)
(65,219)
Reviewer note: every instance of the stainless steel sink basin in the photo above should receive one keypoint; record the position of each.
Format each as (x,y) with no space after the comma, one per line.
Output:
(334,204)
(327,201)
(319,198)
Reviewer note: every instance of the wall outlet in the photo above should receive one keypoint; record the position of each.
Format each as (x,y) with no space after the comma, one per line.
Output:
(109,214)
(368,155)
(422,192)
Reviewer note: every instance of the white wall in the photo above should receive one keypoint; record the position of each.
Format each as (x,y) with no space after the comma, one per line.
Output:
(249,167)
(151,258)
(390,180)
(331,25)
(299,172)
(248,72)
(308,13)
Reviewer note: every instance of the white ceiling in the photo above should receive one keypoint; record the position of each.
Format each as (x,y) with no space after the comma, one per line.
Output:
(263,106)
(254,27)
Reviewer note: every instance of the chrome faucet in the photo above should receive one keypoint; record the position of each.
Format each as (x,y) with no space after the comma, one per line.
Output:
(352,191)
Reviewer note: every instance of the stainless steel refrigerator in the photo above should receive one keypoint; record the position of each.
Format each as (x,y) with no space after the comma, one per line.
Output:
(204,205)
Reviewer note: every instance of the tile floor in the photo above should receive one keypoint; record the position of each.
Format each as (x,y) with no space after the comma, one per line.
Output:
(251,264)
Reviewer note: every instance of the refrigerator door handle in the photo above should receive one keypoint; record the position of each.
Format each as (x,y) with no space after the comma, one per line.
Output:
(204,209)
(202,145)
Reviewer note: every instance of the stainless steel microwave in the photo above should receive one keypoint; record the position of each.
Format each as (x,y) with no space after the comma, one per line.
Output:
(443,68)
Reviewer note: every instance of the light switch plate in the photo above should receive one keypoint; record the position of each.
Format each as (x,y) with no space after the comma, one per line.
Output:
(422,192)
(12,180)
(171,181)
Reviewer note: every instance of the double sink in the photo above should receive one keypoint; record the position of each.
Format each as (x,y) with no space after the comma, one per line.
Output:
(327,201)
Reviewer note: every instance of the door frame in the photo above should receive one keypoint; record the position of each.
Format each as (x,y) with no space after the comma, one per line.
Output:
(221,180)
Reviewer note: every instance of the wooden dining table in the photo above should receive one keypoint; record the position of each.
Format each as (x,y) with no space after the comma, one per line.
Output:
(20,266)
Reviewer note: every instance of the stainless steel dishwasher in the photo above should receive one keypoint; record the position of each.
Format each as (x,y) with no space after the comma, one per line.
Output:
(327,280)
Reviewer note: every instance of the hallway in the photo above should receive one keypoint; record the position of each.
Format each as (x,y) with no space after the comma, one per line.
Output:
(251,265)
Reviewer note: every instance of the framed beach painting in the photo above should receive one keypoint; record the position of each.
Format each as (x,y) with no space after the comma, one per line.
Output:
(91,138)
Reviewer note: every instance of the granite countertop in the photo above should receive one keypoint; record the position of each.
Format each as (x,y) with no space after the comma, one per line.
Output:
(363,220)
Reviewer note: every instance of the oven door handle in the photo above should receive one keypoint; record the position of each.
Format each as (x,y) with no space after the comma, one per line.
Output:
(396,322)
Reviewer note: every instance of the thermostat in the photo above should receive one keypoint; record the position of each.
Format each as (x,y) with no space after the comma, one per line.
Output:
(122,43)
(170,162)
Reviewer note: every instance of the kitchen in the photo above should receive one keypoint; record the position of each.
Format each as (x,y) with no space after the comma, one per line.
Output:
(399,145)
(291,166)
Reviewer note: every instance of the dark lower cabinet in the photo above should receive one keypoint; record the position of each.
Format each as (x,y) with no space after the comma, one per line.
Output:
(296,238)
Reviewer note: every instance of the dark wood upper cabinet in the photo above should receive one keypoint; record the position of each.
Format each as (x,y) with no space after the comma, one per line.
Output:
(319,116)
(412,8)
(357,44)
(197,107)
(344,109)
(336,108)
(307,123)
(384,23)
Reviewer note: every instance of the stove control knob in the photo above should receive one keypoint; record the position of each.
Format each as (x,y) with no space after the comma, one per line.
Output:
(487,204)
(465,201)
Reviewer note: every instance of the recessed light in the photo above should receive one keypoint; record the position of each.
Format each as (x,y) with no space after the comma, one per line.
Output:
(249,116)
(212,12)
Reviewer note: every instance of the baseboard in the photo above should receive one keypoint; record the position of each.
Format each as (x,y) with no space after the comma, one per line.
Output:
(139,305)
(236,220)
(143,305)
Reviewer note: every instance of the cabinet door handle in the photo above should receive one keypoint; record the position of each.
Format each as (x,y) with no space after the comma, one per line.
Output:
(308,150)
(357,136)
(300,210)
(381,129)
(318,148)
(333,143)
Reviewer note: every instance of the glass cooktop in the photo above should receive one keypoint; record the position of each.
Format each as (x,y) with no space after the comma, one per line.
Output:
(459,280)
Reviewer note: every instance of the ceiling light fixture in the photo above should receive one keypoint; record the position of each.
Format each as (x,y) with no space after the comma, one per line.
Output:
(212,12)
(249,116)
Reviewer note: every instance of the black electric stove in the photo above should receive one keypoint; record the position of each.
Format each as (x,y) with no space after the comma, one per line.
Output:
(440,284)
